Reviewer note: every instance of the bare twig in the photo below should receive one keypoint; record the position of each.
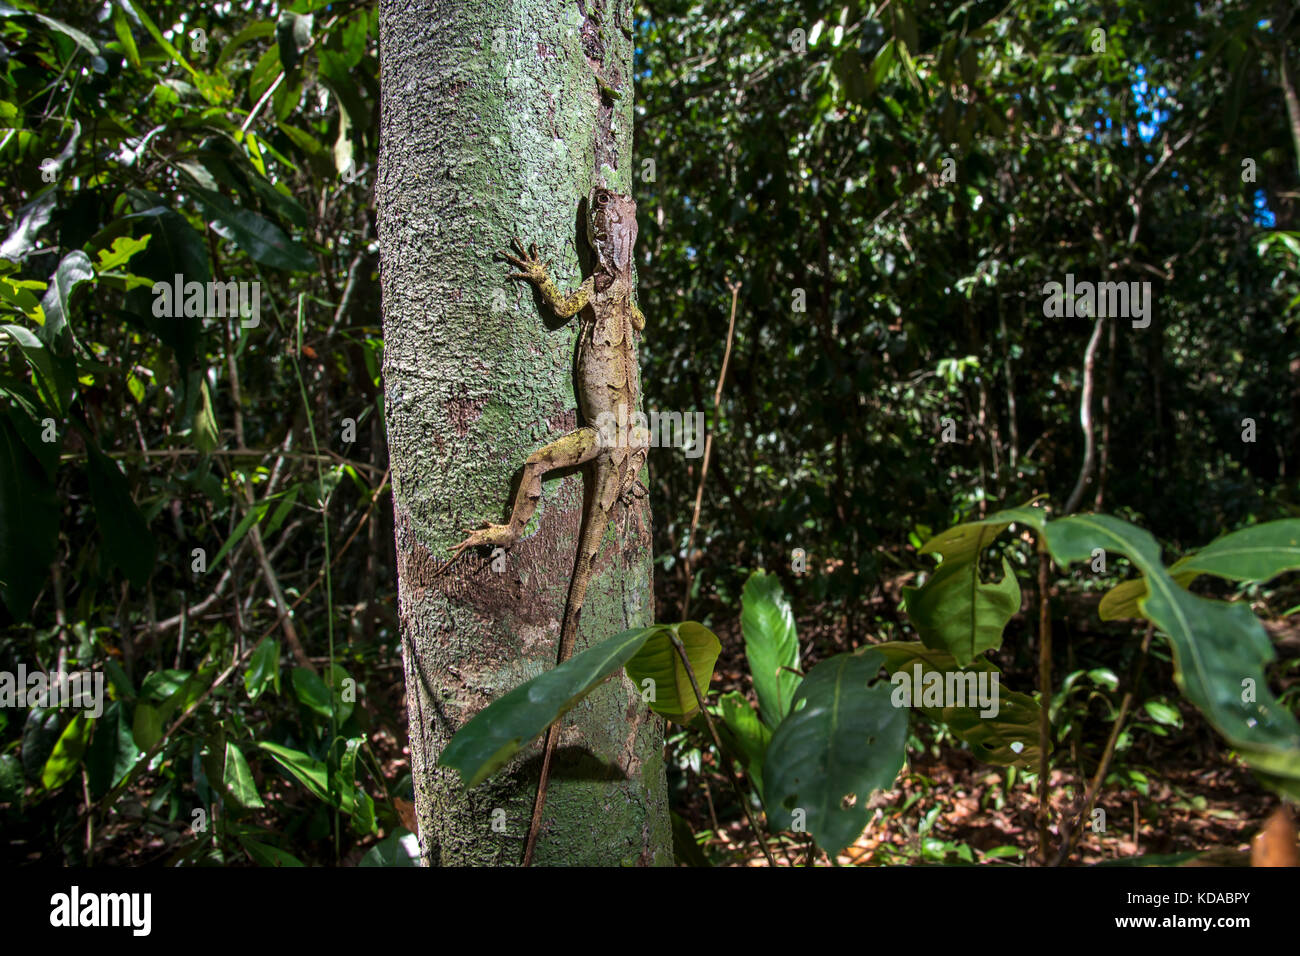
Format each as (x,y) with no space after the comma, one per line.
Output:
(1044,695)
(1090,799)
(722,756)
(708,450)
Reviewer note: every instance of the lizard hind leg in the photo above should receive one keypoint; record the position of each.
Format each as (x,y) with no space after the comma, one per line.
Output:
(568,451)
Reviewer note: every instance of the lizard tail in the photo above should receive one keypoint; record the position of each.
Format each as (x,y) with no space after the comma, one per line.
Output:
(593,533)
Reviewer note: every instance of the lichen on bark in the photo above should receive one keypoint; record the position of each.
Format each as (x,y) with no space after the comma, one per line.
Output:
(494,126)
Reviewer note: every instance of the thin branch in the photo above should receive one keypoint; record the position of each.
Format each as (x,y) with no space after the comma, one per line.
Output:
(708,449)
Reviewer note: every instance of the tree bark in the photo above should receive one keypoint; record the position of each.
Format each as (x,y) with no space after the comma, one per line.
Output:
(494,126)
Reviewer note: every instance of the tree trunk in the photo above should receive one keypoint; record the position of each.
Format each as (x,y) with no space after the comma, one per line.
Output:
(494,126)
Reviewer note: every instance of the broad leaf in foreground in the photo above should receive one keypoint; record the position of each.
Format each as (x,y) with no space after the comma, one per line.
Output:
(504,727)
(771,645)
(956,610)
(1220,649)
(828,756)
(1258,553)
(1009,739)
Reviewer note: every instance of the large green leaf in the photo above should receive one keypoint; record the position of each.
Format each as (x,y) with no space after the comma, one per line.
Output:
(51,375)
(263,669)
(1220,649)
(658,661)
(29,522)
(308,771)
(67,753)
(955,610)
(41,732)
(399,848)
(237,778)
(771,645)
(127,540)
(264,241)
(264,854)
(175,248)
(74,269)
(1258,553)
(1009,739)
(312,692)
(500,730)
(750,733)
(828,756)
(112,752)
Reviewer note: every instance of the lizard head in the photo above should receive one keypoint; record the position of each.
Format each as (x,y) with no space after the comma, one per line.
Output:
(611,230)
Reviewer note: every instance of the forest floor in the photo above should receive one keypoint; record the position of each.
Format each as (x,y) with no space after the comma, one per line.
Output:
(1177,791)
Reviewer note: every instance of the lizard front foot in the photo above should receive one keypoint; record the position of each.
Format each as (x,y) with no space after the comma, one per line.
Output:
(490,535)
(533,269)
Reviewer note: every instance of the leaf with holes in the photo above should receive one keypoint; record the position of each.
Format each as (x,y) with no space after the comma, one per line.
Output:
(843,739)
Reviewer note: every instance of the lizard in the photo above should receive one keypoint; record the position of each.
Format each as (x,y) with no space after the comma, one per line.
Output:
(610,448)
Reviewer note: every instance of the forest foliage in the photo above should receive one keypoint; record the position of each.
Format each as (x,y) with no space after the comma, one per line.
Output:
(196,506)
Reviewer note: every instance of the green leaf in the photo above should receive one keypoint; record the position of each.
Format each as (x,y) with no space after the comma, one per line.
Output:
(955,610)
(502,728)
(213,89)
(255,513)
(72,271)
(1163,713)
(52,380)
(264,241)
(828,756)
(311,773)
(264,854)
(1220,649)
(399,848)
(658,661)
(83,41)
(254,31)
(11,779)
(751,734)
(67,754)
(124,247)
(311,691)
(175,248)
(1008,739)
(127,541)
(334,72)
(340,680)
(771,645)
(122,28)
(147,726)
(204,432)
(263,668)
(112,752)
(29,522)
(164,684)
(41,732)
(1258,553)
(238,779)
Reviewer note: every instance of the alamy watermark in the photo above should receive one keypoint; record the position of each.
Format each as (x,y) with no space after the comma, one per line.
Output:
(209,300)
(81,690)
(1098,300)
(684,430)
(951,689)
